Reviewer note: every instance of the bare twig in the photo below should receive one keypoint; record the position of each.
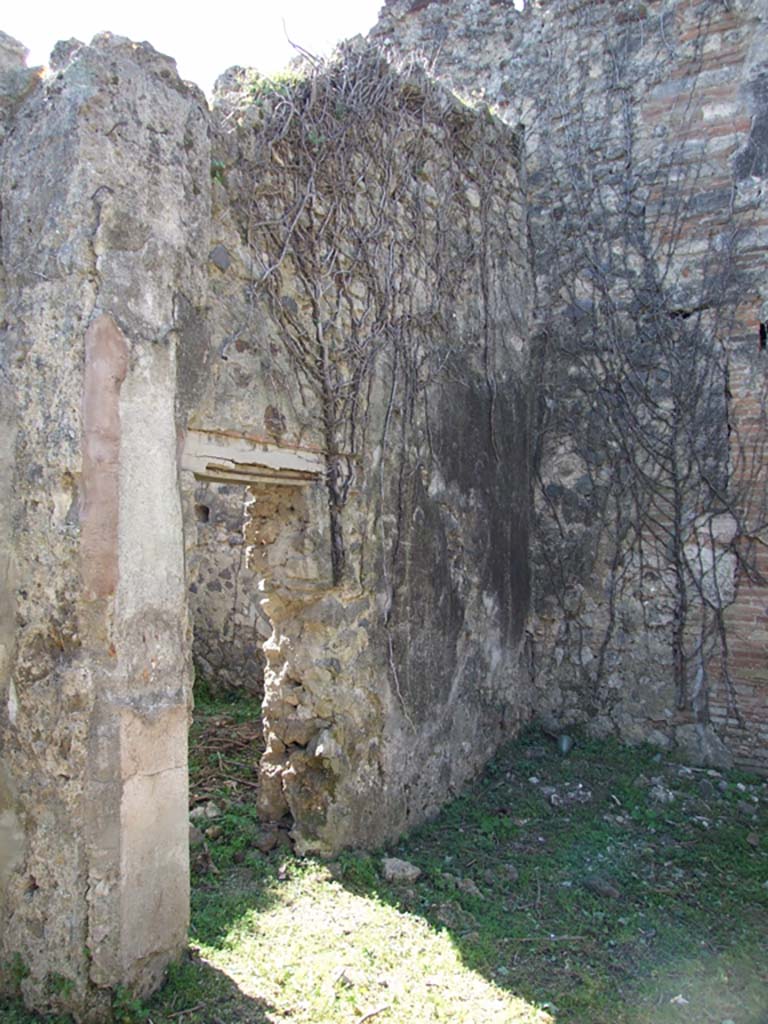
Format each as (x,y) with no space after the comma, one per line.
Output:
(372,1013)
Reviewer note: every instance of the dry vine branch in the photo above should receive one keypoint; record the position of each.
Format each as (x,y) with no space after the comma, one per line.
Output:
(378,204)
(635,376)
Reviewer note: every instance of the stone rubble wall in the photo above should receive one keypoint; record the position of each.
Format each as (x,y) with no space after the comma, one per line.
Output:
(697,71)
(132,314)
(228,624)
(386,691)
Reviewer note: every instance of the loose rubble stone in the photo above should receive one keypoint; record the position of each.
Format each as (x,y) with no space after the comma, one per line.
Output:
(659,793)
(206,811)
(196,837)
(220,257)
(268,840)
(603,887)
(569,794)
(511,872)
(707,790)
(468,886)
(399,871)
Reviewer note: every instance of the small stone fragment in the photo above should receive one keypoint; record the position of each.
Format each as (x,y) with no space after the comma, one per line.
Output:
(220,257)
(661,794)
(467,886)
(511,873)
(267,840)
(753,839)
(203,811)
(446,915)
(196,837)
(570,793)
(399,871)
(707,790)
(602,887)
(202,862)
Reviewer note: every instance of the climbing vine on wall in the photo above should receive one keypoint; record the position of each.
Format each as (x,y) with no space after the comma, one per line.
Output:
(643,290)
(358,223)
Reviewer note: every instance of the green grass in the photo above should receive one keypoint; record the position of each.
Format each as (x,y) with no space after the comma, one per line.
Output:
(501,926)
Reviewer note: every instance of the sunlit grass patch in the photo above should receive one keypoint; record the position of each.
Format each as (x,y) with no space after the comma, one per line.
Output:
(554,891)
(323,953)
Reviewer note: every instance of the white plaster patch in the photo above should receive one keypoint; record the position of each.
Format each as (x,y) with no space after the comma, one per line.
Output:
(13,704)
(62,502)
(436,484)
(715,574)
(150,528)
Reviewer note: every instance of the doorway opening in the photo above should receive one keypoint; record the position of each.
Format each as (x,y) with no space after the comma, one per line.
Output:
(249,551)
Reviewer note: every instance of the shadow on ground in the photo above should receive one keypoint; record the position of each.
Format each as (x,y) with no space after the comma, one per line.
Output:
(609,886)
(606,887)
(196,989)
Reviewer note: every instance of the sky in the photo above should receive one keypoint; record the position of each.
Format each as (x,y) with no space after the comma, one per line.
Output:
(204,39)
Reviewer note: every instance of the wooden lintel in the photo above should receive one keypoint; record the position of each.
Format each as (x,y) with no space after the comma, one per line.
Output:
(228,457)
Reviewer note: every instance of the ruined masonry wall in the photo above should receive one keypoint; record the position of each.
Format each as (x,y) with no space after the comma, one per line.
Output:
(103,186)
(133,320)
(228,623)
(698,73)
(386,691)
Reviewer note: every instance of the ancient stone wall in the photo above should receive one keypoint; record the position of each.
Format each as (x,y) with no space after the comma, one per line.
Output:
(369,302)
(644,127)
(310,304)
(228,624)
(104,166)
